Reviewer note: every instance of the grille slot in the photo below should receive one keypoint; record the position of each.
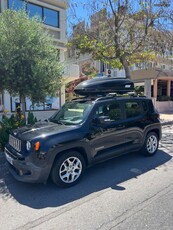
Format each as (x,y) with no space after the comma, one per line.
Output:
(15,143)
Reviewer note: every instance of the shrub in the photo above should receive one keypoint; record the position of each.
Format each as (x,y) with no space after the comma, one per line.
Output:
(139,90)
(31,118)
(10,123)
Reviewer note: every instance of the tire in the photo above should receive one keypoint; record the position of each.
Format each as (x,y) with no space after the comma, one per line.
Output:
(151,144)
(68,169)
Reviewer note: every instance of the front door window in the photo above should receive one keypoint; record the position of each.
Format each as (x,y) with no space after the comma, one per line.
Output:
(111,111)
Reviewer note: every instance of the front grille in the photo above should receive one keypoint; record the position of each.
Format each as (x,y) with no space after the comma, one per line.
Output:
(15,143)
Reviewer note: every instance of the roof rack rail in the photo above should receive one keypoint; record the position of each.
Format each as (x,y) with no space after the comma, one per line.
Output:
(134,94)
(103,96)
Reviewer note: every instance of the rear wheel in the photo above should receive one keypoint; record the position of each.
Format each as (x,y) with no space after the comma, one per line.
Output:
(68,169)
(151,144)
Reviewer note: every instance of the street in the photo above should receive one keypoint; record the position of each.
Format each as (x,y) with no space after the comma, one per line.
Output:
(129,192)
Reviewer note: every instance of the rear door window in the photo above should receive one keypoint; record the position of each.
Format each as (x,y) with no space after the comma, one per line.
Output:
(133,109)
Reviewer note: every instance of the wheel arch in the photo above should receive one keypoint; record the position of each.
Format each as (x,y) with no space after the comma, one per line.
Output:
(145,151)
(80,150)
(155,130)
(77,151)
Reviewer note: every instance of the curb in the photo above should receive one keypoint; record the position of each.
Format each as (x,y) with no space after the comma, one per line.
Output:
(166,123)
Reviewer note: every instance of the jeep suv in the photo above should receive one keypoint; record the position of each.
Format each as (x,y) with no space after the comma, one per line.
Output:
(83,132)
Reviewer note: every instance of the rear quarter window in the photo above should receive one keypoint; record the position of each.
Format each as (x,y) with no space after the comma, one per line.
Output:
(150,106)
(144,105)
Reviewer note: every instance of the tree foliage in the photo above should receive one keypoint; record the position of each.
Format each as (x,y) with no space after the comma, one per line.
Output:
(122,32)
(29,62)
(87,69)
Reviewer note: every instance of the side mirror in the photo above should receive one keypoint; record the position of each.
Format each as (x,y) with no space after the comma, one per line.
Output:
(96,120)
(102,120)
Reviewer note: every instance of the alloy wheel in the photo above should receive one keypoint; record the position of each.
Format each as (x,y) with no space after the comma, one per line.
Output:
(70,170)
(152,143)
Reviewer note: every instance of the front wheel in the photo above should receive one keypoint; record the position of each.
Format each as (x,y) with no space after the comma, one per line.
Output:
(151,144)
(68,169)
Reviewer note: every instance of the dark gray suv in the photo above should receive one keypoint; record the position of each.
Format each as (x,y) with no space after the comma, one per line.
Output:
(83,132)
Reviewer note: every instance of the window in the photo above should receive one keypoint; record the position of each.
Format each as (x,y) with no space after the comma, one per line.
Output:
(109,111)
(48,16)
(51,17)
(144,104)
(16,4)
(1,102)
(51,103)
(34,10)
(133,109)
(150,106)
(102,68)
(72,113)
(115,112)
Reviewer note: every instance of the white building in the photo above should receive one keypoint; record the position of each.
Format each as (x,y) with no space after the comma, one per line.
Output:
(53,13)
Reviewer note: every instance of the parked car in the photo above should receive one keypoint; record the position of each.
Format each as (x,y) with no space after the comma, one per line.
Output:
(82,133)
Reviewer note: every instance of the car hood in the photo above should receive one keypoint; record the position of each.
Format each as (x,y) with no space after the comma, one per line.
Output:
(41,129)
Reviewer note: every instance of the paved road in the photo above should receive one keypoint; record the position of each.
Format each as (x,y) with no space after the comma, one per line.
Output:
(129,192)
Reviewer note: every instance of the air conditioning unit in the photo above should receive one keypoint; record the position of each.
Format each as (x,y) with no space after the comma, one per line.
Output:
(108,72)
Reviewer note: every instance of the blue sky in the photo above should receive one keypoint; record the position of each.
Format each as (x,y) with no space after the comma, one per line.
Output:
(80,13)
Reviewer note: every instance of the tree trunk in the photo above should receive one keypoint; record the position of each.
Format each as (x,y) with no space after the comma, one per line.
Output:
(23,108)
(126,67)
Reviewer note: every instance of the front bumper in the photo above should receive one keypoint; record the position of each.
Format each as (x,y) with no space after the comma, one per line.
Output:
(26,171)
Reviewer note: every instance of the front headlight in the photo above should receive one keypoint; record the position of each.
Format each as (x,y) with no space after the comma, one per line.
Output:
(28,145)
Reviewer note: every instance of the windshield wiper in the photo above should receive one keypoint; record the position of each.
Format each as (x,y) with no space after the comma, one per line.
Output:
(57,122)
(60,122)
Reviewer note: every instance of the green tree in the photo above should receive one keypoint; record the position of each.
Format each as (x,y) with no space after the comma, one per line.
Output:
(29,61)
(122,32)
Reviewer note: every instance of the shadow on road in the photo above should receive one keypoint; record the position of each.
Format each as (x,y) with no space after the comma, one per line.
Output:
(105,175)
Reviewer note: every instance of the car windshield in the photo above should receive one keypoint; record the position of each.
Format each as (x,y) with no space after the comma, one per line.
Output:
(72,113)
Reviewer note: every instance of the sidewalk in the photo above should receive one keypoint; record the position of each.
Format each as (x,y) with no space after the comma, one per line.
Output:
(166,118)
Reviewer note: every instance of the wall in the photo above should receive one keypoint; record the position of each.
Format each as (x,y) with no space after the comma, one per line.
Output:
(163,106)
(39,115)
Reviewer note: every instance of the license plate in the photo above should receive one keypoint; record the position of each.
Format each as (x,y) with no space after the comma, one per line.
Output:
(9,159)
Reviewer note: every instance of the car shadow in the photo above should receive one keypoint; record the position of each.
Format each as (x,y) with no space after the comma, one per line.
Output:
(100,177)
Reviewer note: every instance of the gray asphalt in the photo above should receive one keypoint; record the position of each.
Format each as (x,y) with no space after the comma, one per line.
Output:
(129,192)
